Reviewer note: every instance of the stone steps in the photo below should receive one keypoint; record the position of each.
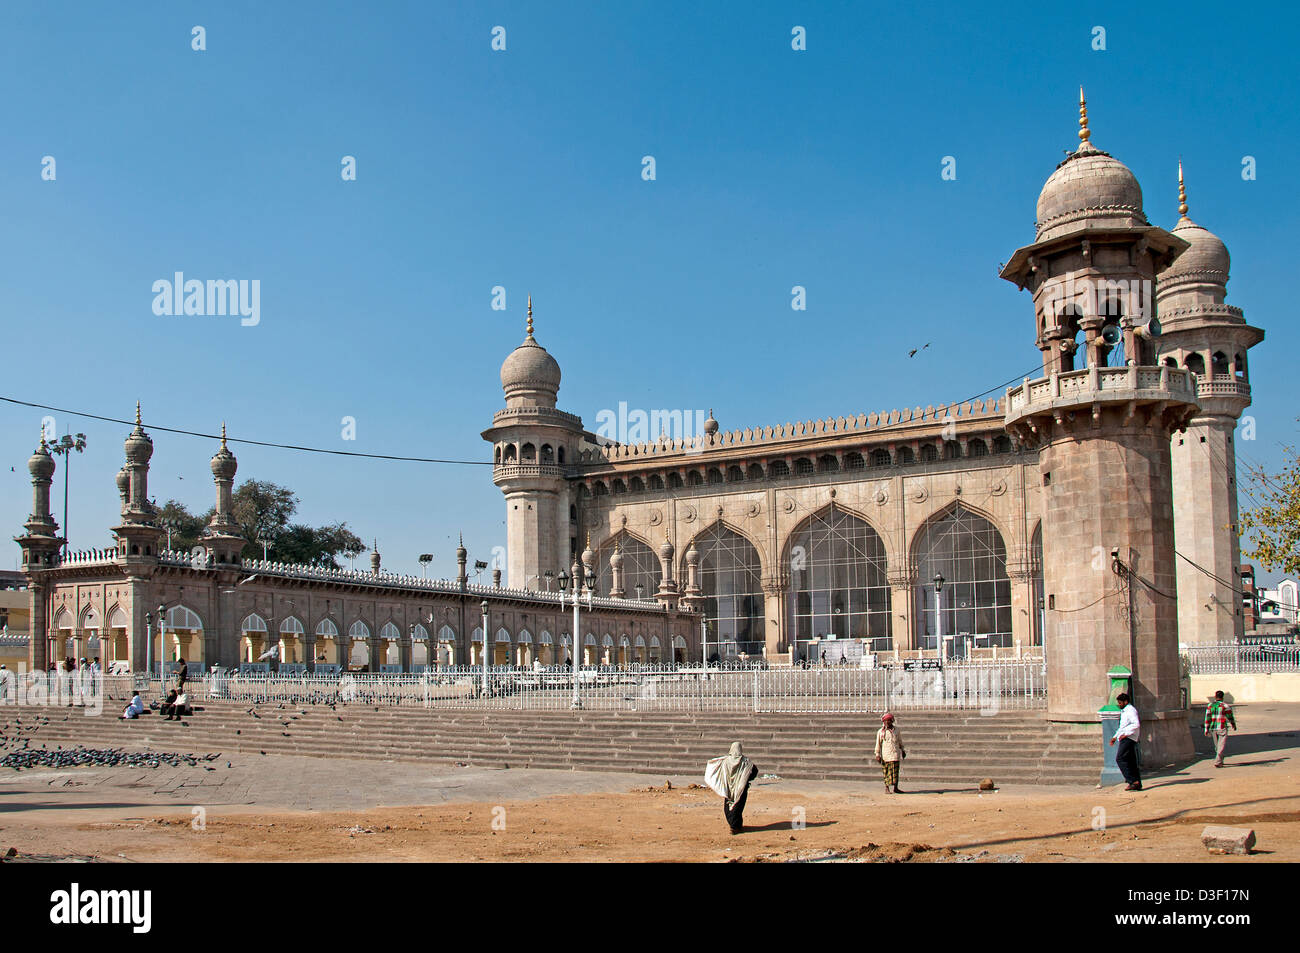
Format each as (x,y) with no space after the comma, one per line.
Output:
(1013,747)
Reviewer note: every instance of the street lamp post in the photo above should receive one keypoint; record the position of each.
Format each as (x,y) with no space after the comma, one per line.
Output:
(162,641)
(484,607)
(425,559)
(148,642)
(573,645)
(64,447)
(938,616)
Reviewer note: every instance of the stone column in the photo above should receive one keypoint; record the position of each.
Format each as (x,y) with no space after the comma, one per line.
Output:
(902,599)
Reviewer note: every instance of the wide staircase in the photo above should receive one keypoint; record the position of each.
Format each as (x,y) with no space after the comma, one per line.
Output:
(953,747)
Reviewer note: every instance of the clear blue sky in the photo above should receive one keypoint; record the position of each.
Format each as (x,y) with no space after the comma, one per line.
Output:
(523,169)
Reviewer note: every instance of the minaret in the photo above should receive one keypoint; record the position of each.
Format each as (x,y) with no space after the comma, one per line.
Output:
(374,559)
(40,545)
(1202,333)
(462,556)
(667,593)
(616,589)
(1102,433)
(533,442)
(137,534)
(222,538)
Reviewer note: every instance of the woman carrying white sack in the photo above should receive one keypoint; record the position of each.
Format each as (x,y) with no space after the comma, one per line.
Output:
(729,777)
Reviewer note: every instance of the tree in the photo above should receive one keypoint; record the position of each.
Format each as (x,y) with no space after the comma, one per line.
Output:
(185,526)
(264,510)
(1274,523)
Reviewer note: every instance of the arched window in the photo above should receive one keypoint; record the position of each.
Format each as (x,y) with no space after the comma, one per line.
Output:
(359,630)
(968,551)
(1219,362)
(548,454)
(951,450)
(735,474)
(509,455)
(390,631)
(560,456)
(880,458)
(656,482)
(640,565)
(827,463)
(619,485)
(1239,367)
(929,453)
(756,471)
(838,581)
(636,485)
(1002,444)
(291,626)
(803,465)
(1195,363)
(715,475)
(694,479)
(854,461)
(978,448)
(778,469)
(599,489)
(326,629)
(181,617)
(528,453)
(906,456)
(674,481)
(253,623)
(731,580)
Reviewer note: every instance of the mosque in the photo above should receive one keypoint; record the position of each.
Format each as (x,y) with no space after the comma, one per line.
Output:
(1088,514)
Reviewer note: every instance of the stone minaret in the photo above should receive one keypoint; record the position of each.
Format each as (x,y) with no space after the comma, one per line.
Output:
(374,559)
(40,544)
(462,556)
(533,442)
(1102,434)
(222,538)
(1203,334)
(137,534)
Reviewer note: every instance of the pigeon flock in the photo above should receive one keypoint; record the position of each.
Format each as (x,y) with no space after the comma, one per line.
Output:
(99,758)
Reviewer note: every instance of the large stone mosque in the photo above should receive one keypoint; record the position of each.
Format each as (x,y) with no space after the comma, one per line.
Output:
(1088,514)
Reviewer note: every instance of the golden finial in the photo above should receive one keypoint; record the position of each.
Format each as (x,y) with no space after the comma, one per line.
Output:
(589,539)
(1182,192)
(43,444)
(137,413)
(530,316)
(223,435)
(1084,132)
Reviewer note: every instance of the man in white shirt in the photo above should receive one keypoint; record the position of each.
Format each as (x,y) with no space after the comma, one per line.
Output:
(1127,735)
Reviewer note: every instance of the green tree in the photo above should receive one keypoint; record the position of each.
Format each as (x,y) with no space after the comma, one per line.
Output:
(1274,524)
(185,526)
(265,510)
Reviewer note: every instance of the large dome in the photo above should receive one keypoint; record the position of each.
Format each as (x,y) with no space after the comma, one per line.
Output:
(530,367)
(530,372)
(1089,186)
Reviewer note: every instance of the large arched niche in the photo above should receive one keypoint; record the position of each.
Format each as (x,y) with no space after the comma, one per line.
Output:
(731,582)
(839,584)
(640,565)
(968,550)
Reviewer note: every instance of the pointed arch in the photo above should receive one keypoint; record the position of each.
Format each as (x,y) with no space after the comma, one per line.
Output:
(731,581)
(839,582)
(117,618)
(969,551)
(326,629)
(252,623)
(291,625)
(390,631)
(640,565)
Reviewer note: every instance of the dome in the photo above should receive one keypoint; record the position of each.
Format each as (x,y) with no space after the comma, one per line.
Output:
(223,461)
(40,464)
(139,446)
(1088,186)
(530,370)
(1206,260)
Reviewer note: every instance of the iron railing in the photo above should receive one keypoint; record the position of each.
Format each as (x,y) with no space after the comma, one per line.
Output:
(1254,657)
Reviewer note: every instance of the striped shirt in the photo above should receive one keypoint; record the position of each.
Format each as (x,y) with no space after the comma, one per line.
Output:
(1218,716)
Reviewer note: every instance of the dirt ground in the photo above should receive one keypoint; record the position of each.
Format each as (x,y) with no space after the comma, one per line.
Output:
(47,814)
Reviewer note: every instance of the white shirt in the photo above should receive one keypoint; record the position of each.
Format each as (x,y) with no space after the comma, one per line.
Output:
(1129,726)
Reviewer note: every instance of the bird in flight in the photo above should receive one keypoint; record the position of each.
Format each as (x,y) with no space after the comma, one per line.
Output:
(912,352)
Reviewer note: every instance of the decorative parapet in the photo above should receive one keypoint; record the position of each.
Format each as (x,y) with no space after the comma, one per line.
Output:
(87,557)
(867,424)
(536,415)
(516,471)
(1168,391)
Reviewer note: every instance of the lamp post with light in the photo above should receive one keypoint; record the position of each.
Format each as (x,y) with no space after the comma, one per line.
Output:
(577,584)
(938,616)
(484,607)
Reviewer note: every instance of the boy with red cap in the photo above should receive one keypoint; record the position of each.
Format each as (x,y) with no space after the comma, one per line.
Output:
(889,751)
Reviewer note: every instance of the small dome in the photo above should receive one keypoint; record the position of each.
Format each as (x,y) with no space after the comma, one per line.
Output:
(1207,260)
(40,464)
(123,482)
(1089,186)
(138,445)
(692,554)
(224,463)
(710,425)
(616,559)
(666,548)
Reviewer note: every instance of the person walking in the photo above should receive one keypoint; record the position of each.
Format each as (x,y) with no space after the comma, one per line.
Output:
(1126,756)
(1218,716)
(730,777)
(889,752)
(182,673)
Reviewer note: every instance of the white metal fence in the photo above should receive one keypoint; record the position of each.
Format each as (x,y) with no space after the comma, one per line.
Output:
(987,686)
(1253,657)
